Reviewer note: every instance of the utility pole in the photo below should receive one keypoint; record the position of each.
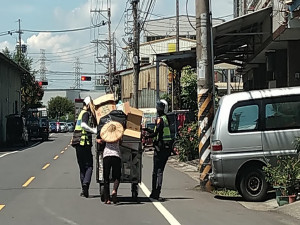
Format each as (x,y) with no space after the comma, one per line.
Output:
(204,87)
(109,54)
(136,52)
(176,80)
(114,53)
(20,45)
(177,25)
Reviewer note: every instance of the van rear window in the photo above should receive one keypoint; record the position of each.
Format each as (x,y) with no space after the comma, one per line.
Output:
(282,115)
(244,118)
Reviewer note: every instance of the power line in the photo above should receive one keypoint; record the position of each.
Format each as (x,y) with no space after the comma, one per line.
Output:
(64,31)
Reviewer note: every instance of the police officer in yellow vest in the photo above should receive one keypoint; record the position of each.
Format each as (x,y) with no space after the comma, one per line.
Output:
(83,133)
(162,148)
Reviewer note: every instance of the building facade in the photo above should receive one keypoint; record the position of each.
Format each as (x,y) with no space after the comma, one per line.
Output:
(10,91)
(263,42)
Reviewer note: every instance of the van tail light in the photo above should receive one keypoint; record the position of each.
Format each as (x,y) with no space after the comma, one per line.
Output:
(216,146)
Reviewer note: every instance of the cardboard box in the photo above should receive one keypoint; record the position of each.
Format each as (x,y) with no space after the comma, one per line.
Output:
(134,119)
(102,100)
(103,110)
(125,107)
(132,126)
(131,139)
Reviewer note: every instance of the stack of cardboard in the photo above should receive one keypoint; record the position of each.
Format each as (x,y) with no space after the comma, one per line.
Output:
(132,133)
(104,105)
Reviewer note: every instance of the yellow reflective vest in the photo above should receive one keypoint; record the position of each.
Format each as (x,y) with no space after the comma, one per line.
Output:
(166,130)
(86,137)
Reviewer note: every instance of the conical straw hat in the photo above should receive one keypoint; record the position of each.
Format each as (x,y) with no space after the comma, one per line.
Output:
(112,131)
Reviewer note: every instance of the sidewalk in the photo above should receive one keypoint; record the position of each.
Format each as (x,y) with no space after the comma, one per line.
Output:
(191,169)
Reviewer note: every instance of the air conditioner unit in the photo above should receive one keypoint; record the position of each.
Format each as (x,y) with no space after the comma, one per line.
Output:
(289,2)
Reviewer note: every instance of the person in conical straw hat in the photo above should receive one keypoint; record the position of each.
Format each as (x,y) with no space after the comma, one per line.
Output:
(111,133)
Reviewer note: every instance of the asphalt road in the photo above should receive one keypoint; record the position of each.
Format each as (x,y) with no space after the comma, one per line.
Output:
(40,185)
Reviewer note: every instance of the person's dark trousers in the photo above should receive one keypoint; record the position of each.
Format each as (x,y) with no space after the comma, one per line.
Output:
(159,162)
(85,162)
(111,163)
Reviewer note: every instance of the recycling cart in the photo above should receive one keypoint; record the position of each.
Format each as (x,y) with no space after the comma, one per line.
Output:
(105,110)
(131,168)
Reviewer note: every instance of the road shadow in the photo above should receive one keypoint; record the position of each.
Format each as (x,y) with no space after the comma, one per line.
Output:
(21,146)
(122,200)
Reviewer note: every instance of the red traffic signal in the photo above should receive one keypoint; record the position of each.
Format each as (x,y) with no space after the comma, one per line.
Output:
(85,78)
(41,83)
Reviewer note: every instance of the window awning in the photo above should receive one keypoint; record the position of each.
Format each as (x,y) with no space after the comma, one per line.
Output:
(239,40)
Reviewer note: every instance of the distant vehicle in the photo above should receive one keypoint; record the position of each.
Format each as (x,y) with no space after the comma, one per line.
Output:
(16,131)
(37,123)
(70,126)
(52,127)
(63,127)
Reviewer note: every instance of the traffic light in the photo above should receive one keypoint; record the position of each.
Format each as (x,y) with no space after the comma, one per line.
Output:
(42,83)
(85,78)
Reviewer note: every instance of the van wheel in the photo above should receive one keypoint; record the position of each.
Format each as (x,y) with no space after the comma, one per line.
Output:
(253,185)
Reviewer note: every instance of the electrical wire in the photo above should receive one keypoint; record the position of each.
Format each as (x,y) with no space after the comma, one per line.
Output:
(187,14)
(63,31)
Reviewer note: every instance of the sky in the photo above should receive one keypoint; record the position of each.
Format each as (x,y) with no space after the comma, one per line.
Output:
(52,26)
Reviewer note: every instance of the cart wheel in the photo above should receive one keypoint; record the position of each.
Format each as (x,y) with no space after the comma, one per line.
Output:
(135,192)
(101,189)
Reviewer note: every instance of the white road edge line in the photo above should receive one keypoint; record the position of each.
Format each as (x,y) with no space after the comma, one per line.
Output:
(8,154)
(169,217)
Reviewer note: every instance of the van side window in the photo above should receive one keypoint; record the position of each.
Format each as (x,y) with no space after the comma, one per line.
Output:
(244,118)
(282,115)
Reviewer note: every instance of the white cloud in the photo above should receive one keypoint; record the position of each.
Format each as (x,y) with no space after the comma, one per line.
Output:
(7,44)
(76,18)
(53,43)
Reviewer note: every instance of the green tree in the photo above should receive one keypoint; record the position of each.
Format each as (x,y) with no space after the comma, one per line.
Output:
(60,106)
(189,89)
(31,92)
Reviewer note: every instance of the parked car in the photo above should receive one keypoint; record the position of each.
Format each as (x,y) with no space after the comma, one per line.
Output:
(71,126)
(63,127)
(52,127)
(249,130)
(16,131)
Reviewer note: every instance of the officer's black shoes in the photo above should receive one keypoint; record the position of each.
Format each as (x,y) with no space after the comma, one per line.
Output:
(155,197)
(85,190)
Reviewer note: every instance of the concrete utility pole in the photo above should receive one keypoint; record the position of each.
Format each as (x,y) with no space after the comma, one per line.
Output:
(176,80)
(20,44)
(177,25)
(136,52)
(114,53)
(204,87)
(109,54)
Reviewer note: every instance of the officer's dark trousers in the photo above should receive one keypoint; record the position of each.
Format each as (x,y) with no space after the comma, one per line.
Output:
(85,162)
(159,162)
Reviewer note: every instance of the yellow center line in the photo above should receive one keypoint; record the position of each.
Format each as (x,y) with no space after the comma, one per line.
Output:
(62,152)
(1,207)
(46,166)
(66,148)
(56,157)
(28,182)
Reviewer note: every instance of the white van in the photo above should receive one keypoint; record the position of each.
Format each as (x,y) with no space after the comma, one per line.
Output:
(249,130)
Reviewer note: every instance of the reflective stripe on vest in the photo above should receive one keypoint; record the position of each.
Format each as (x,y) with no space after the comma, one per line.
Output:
(166,130)
(84,135)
